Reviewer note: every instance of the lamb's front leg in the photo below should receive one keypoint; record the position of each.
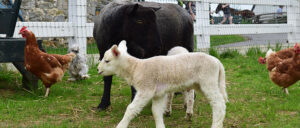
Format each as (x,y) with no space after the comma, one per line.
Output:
(158,107)
(135,107)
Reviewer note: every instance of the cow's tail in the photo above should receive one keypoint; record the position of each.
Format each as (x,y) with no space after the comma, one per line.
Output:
(222,83)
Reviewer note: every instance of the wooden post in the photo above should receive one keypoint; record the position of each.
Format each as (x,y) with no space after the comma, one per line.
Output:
(293,19)
(201,25)
(78,16)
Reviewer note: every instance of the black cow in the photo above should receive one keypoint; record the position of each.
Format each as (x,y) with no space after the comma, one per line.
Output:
(150,29)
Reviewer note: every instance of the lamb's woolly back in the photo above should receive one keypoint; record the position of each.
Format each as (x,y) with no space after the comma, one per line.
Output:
(269,52)
(177,50)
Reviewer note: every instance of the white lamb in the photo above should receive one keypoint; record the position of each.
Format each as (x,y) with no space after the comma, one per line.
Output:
(153,78)
(188,94)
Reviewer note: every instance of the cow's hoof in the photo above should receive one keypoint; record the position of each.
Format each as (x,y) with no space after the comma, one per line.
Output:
(189,116)
(102,107)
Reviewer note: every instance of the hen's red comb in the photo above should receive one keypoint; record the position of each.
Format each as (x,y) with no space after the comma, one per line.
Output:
(261,60)
(23,28)
(296,45)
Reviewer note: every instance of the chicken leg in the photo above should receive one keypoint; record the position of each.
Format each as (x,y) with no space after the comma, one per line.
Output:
(47,92)
(285,90)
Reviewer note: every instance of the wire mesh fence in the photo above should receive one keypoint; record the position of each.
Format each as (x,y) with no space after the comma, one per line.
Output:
(221,24)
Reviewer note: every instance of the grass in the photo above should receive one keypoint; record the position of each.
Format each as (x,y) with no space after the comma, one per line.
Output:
(63,49)
(254,101)
(225,39)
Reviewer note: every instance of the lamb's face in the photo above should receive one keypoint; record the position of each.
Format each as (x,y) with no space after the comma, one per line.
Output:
(109,63)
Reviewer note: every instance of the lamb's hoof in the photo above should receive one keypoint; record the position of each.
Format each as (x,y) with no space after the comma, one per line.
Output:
(85,76)
(188,116)
(168,113)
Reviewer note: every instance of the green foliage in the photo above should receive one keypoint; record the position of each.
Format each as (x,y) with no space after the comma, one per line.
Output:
(225,39)
(230,54)
(254,51)
(278,46)
(214,52)
(246,21)
(63,49)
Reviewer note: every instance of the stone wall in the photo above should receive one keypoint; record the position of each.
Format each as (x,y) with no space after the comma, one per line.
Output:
(55,10)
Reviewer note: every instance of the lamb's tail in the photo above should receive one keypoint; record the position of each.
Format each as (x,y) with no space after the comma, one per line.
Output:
(222,83)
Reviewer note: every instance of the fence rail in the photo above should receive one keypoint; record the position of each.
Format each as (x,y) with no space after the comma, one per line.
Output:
(203,28)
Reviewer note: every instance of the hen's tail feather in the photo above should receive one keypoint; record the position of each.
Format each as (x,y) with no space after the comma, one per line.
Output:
(72,55)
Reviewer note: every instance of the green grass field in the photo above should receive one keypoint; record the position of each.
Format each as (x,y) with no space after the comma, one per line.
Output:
(254,101)
(225,39)
(63,49)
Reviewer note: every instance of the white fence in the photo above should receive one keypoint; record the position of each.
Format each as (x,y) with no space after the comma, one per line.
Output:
(203,29)
(77,29)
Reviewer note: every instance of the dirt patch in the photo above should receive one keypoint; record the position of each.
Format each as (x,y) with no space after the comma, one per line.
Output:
(6,92)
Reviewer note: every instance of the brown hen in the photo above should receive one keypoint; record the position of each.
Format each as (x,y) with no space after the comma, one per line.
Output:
(283,66)
(50,68)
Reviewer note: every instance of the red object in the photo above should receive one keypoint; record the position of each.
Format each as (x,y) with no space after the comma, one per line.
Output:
(262,60)
(23,29)
(296,48)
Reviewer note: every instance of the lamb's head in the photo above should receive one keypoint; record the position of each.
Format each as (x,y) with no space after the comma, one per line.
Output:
(112,59)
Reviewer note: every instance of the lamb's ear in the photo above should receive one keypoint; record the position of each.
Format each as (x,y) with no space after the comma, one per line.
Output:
(115,51)
(122,46)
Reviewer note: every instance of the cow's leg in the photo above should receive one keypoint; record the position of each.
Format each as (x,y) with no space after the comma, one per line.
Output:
(133,92)
(105,101)
(189,102)
(135,107)
(158,107)
(213,94)
(168,110)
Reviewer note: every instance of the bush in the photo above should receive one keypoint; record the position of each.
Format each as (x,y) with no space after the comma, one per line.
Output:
(230,54)
(213,52)
(254,52)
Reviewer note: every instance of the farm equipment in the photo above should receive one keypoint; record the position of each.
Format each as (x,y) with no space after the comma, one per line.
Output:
(12,49)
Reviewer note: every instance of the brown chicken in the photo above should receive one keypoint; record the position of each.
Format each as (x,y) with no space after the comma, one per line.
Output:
(283,66)
(50,68)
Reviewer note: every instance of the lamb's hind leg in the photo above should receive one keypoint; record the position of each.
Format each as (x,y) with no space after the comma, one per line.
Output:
(189,102)
(168,110)
(158,107)
(134,108)
(217,102)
